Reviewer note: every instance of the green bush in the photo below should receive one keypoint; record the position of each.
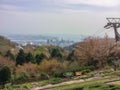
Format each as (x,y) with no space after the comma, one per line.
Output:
(58,75)
(85,71)
(8,86)
(5,74)
(91,75)
(55,80)
(68,74)
(103,75)
(44,76)
(26,86)
(22,76)
(82,68)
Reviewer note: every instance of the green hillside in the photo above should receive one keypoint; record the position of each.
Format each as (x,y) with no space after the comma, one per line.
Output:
(5,44)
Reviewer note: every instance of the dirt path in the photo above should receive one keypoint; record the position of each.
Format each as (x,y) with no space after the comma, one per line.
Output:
(64,83)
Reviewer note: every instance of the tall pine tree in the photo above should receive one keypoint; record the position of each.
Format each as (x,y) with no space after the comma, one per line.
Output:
(30,58)
(21,57)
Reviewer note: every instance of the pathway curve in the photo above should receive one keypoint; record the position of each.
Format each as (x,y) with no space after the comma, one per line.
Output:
(63,83)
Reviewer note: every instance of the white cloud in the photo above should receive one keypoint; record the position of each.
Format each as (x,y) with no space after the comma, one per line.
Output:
(13,18)
(104,3)
(10,7)
(60,5)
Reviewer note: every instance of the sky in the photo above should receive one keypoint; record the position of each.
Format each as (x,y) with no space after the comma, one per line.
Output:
(84,17)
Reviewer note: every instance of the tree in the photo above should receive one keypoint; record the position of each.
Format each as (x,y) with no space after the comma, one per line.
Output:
(113,58)
(30,58)
(5,74)
(56,53)
(21,57)
(71,56)
(92,52)
(52,67)
(39,58)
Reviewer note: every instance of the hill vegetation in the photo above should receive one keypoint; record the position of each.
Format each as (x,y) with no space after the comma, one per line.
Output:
(5,45)
(35,63)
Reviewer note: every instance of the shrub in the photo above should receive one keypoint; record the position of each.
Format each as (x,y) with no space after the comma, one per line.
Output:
(6,62)
(8,86)
(68,74)
(55,80)
(58,74)
(44,76)
(52,67)
(86,71)
(29,68)
(103,75)
(5,74)
(22,76)
(91,75)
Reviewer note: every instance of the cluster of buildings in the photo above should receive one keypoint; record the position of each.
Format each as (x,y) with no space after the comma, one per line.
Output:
(56,42)
(24,40)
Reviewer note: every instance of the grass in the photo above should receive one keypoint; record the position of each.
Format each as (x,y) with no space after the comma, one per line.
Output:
(28,86)
(89,85)
(50,81)
(115,83)
(25,86)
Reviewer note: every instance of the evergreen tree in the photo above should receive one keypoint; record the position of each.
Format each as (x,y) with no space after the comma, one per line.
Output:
(56,53)
(30,57)
(5,74)
(39,58)
(21,57)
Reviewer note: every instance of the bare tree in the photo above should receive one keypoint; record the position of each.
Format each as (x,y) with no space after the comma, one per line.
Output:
(93,51)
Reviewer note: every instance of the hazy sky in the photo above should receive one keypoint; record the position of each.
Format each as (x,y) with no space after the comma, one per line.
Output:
(56,16)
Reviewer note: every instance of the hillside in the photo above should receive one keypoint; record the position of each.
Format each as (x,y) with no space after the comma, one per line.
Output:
(53,63)
(6,44)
